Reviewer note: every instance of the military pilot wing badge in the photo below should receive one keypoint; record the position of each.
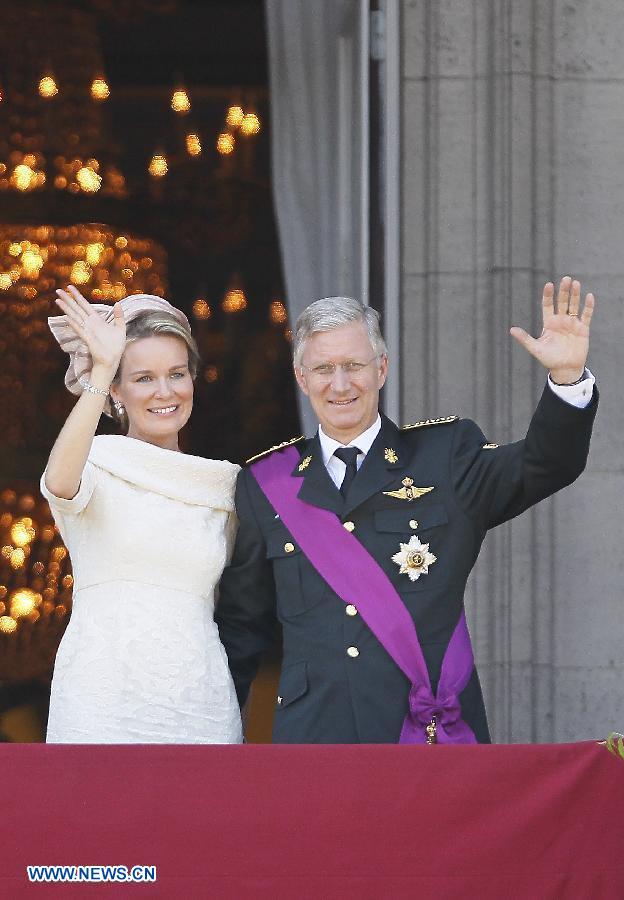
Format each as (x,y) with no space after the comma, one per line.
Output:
(408,491)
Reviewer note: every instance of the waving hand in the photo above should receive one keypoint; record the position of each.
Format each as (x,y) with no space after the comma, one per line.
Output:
(563,345)
(105,340)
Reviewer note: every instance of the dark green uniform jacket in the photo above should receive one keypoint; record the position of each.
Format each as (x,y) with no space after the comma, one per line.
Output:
(338,684)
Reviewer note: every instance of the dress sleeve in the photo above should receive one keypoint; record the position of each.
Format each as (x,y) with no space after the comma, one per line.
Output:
(78,503)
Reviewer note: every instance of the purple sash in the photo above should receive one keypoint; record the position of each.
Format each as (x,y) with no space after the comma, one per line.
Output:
(357,578)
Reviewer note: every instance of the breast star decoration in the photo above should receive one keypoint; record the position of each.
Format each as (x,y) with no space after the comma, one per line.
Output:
(414,558)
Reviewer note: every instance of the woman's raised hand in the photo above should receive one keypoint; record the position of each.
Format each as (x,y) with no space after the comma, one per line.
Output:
(105,340)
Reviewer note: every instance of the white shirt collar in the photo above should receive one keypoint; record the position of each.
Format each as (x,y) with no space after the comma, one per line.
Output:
(363,441)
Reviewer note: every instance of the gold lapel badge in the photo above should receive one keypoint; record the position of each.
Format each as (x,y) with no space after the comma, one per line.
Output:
(390,455)
(490,446)
(414,559)
(304,463)
(408,491)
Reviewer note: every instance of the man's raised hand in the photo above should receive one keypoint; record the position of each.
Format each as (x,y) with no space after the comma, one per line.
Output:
(563,345)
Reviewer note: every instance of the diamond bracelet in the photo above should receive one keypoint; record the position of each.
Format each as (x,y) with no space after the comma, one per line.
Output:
(87,386)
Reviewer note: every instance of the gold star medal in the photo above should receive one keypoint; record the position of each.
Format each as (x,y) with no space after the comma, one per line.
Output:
(414,559)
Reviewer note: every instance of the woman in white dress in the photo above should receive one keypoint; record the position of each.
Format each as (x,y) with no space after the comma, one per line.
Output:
(148,529)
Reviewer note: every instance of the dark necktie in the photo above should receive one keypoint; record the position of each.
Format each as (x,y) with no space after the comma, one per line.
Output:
(348,455)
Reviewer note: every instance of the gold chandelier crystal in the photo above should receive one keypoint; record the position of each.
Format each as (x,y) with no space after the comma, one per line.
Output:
(106,264)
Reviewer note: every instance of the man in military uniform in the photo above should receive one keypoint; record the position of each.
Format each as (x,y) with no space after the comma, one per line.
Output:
(418,499)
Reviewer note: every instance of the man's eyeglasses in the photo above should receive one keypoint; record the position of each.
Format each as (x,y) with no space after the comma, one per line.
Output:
(326,371)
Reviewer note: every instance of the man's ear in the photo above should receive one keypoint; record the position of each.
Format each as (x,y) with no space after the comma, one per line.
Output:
(383,371)
(301,381)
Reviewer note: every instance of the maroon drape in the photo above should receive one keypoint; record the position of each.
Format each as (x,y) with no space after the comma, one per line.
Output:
(319,821)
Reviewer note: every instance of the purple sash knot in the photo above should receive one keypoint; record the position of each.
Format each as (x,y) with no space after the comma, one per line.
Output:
(424,707)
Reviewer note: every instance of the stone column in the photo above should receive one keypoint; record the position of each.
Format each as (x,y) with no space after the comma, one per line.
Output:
(513,129)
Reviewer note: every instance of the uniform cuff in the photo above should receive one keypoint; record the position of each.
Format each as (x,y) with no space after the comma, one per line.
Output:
(579,394)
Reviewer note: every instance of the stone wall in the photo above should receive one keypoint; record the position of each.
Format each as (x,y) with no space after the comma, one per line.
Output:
(513,174)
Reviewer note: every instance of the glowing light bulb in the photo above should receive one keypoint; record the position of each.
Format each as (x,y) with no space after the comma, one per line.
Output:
(100,89)
(47,87)
(225,144)
(193,145)
(180,102)
(22,533)
(88,179)
(201,309)
(32,261)
(80,272)
(158,166)
(234,301)
(7,624)
(23,177)
(234,116)
(277,312)
(23,602)
(250,125)
(17,558)
(94,253)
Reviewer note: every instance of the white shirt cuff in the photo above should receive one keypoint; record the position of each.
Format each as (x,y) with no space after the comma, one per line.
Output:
(578,395)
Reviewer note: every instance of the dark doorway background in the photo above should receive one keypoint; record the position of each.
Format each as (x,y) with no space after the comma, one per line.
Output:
(219,230)
(210,218)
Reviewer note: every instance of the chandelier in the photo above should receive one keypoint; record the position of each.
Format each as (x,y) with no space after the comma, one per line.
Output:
(35,586)
(53,137)
(64,197)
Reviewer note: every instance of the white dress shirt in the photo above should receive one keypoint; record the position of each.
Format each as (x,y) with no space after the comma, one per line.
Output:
(335,466)
(578,395)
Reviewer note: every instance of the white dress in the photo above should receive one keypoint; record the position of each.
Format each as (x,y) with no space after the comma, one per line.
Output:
(148,533)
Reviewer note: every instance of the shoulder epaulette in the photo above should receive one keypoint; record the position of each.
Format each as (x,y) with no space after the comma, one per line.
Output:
(273,449)
(443,420)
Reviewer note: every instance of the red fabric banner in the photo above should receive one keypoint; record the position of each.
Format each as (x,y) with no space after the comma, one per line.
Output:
(318,821)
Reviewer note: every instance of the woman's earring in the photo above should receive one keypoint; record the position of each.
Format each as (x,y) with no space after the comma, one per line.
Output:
(119,407)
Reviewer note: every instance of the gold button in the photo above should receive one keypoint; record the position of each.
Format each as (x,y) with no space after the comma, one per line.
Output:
(353,652)
(288,547)
(279,701)
(413,523)
(348,525)
(351,610)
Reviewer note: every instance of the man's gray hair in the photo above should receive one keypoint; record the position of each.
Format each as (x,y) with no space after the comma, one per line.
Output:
(333,312)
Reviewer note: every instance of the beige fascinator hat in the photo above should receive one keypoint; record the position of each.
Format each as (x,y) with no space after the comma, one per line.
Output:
(80,362)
